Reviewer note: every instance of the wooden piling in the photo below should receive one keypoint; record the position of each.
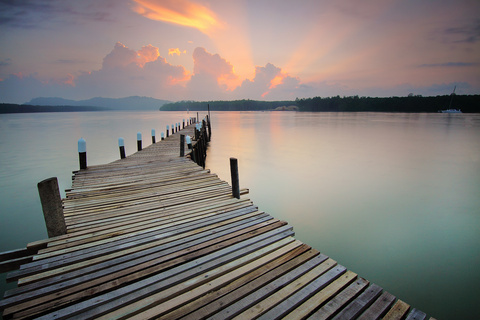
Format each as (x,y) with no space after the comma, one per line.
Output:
(234,175)
(153,136)
(121,146)
(139,141)
(82,153)
(182,145)
(52,207)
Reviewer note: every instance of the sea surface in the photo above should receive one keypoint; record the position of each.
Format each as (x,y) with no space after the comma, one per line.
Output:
(393,197)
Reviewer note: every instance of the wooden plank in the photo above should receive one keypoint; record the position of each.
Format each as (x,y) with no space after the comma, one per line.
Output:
(336,296)
(145,289)
(282,294)
(379,307)
(139,271)
(83,280)
(231,302)
(361,303)
(265,291)
(145,310)
(259,276)
(398,311)
(416,314)
(299,297)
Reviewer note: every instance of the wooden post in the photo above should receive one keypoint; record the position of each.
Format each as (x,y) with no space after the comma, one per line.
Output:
(183,124)
(167,130)
(121,146)
(82,153)
(139,141)
(189,142)
(182,145)
(153,136)
(162,135)
(173,130)
(52,207)
(197,119)
(234,174)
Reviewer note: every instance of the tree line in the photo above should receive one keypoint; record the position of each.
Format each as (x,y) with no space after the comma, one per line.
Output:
(467,103)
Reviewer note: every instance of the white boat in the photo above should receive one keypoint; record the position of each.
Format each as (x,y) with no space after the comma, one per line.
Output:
(450,109)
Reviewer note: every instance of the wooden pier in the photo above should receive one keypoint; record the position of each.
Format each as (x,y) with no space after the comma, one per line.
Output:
(155,235)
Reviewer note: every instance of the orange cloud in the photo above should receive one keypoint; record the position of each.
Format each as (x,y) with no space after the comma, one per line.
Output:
(176,51)
(182,12)
(276,81)
(147,54)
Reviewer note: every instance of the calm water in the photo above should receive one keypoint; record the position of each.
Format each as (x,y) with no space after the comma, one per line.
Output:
(393,197)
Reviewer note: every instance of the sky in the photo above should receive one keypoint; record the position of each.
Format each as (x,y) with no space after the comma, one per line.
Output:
(243,49)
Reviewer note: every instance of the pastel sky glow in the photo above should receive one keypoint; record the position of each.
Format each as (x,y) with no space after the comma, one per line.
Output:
(244,49)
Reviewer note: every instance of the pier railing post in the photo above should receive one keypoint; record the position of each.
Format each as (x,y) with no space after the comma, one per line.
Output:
(189,142)
(153,136)
(82,153)
(139,141)
(52,207)
(234,174)
(162,135)
(168,128)
(182,145)
(121,147)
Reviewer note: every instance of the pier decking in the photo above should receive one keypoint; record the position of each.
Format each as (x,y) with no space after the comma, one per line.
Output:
(155,235)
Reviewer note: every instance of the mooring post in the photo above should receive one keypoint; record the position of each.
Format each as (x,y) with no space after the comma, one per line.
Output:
(197,119)
(52,207)
(153,136)
(168,127)
(82,153)
(139,141)
(162,136)
(234,174)
(183,124)
(173,130)
(189,142)
(121,147)
(182,145)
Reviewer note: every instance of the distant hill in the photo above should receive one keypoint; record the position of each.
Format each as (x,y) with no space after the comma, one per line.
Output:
(128,103)
(25,108)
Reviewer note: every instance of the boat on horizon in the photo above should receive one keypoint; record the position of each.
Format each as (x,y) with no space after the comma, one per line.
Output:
(450,109)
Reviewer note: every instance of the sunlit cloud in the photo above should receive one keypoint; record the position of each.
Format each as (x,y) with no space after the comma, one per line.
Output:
(182,12)
(173,51)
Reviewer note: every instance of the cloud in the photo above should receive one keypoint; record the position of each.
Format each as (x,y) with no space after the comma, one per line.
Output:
(182,12)
(173,51)
(449,64)
(212,70)
(28,14)
(271,83)
(469,32)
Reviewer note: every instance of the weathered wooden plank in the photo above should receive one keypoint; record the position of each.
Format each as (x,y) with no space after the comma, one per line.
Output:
(284,293)
(106,247)
(336,297)
(416,314)
(145,310)
(398,311)
(139,271)
(286,306)
(146,288)
(265,291)
(89,276)
(256,277)
(354,308)
(379,307)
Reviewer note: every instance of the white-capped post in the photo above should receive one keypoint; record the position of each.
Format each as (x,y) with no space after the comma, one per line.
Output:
(189,142)
(168,128)
(183,124)
(82,153)
(162,136)
(139,141)
(153,136)
(121,146)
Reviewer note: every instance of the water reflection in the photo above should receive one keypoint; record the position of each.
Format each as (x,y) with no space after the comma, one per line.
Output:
(385,194)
